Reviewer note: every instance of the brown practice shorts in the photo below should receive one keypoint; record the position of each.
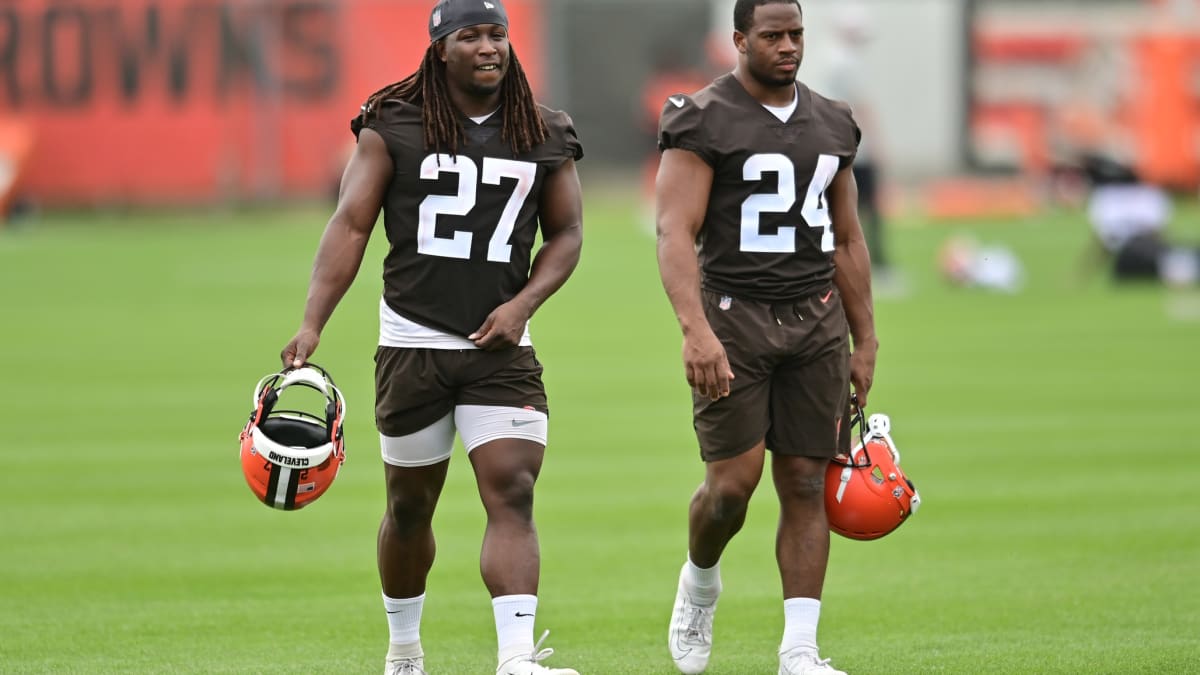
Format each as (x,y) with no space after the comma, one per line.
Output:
(791,386)
(417,387)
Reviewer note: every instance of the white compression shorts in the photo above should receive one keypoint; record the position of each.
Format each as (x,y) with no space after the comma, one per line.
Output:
(476,424)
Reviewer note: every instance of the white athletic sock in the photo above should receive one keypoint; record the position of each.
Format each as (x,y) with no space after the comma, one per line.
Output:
(404,619)
(514,625)
(704,583)
(800,617)
(410,650)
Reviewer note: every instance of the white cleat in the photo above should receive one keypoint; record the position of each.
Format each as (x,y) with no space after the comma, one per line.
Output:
(805,662)
(530,664)
(691,632)
(413,666)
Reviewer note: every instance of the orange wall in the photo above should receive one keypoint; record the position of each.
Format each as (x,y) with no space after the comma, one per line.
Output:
(159,101)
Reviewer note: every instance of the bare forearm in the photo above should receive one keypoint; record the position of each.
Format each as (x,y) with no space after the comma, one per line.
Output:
(682,189)
(680,273)
(852,276)
(337,261)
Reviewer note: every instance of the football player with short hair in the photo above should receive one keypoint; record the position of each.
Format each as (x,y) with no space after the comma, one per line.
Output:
(465,165)
(762,256)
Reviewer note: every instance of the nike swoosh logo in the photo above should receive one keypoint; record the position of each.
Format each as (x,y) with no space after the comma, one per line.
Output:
(684,652)
(828,295)
(521,423)
(522,615)
(678,101)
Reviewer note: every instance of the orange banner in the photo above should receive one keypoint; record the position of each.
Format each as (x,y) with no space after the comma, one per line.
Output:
(170,101)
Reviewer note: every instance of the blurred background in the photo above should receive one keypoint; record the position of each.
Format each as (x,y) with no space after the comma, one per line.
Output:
(970,108)
(1029,176)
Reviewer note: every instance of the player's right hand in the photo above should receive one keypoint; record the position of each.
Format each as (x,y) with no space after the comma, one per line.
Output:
(296,353)
(706,365)
(862,368)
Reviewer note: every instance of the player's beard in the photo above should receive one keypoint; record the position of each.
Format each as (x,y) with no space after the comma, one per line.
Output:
(766,76)
(481,90)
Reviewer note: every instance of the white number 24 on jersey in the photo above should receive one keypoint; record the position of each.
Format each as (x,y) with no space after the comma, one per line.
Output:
(815,209)
(460,204)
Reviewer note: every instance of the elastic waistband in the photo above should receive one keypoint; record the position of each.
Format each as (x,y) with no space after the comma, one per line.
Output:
(777,302)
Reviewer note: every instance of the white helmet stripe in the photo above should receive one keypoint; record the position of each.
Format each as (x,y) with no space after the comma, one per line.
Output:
(841,491)
(282,482)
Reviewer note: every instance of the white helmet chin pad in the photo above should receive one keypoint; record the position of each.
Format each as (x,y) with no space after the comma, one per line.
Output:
(880,426)
(879,423)
(309,376)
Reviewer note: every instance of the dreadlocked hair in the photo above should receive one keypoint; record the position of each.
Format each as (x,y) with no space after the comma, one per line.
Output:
(522,123)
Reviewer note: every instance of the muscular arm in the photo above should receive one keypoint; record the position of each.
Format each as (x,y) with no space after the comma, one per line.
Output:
(853,279)
(681,195)
(340,252)
(560,213)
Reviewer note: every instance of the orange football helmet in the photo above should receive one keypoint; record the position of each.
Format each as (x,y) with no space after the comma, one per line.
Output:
(290,457)
(866,493)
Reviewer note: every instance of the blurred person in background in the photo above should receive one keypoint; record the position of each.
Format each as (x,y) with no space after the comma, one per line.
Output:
(465,166)
(1129,216)
(763,259)
(1129,219)
(670,75)
(16,151)
(845,80)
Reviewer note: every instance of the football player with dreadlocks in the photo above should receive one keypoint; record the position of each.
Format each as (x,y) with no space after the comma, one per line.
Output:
(465,166)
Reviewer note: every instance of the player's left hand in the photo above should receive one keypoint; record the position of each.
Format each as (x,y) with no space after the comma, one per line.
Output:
(503,328)
(862,369)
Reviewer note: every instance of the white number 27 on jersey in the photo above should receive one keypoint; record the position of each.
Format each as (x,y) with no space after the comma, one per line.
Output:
(460,204)
(815,209)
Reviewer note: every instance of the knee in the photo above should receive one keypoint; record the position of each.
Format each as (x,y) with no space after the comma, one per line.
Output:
(410,510)
(513,495)
(727,503)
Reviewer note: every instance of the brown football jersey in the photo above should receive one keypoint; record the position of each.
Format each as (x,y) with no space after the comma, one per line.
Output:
(767,234)
(461,228)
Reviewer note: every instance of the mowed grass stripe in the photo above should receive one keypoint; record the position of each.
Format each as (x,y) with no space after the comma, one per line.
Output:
(1047,431)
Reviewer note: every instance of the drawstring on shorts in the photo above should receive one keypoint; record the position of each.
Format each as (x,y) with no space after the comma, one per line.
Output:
(795,313)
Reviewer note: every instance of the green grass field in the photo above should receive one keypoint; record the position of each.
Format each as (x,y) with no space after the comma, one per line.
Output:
(1051,433)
